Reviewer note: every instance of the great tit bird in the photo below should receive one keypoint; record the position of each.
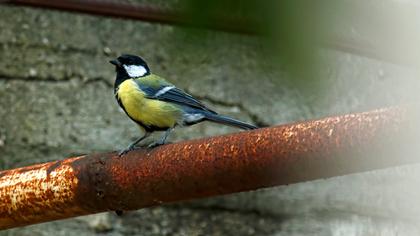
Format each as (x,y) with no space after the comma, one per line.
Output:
(157,105)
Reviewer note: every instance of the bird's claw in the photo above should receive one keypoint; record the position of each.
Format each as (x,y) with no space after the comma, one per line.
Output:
(132,147)
(155,144)
(125,151)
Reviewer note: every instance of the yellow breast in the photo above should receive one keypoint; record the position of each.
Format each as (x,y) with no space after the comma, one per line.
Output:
(145,110)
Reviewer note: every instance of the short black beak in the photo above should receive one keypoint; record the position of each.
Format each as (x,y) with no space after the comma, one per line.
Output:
(115,62)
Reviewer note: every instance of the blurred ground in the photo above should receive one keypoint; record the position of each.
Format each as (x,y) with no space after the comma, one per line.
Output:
(56,101)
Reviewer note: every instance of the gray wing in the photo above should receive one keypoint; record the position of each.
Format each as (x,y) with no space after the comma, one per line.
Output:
(170,93)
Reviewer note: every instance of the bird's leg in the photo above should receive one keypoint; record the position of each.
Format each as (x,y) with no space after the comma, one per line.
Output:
(133,145)
(162,139)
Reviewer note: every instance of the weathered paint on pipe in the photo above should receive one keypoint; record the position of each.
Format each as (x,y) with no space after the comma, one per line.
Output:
(200,168)
(29,191)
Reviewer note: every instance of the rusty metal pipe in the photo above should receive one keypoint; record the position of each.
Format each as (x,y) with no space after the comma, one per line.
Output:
(206,167)
(150,13)
(156,14)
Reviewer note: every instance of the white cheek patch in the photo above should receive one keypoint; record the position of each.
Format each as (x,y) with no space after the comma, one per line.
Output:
(135,70)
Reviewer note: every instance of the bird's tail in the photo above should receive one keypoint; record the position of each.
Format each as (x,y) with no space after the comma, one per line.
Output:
(228,121)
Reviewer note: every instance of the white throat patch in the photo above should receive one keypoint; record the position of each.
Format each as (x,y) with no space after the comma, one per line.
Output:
(135,70)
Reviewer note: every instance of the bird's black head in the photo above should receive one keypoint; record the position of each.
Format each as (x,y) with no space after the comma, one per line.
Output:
(129,66)
(134,66)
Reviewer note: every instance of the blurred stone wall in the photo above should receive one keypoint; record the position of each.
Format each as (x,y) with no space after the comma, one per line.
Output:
(56,101)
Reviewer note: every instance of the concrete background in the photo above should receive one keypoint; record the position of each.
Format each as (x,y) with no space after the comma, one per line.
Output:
(56,101)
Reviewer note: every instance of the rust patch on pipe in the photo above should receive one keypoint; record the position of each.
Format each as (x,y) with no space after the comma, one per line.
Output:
(205,167)
(30,192)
